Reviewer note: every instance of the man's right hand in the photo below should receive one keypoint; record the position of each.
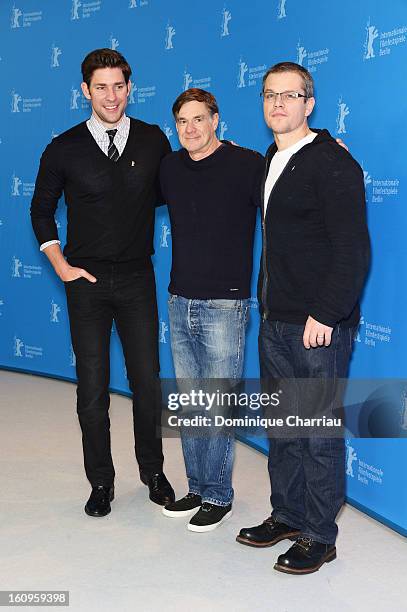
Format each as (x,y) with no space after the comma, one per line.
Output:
(70,274)
(65,272)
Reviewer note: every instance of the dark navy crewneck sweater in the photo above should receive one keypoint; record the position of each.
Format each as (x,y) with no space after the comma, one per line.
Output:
(212,206)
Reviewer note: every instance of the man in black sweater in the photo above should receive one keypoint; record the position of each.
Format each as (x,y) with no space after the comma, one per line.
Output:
(315,260)
(212,190)
(107,168)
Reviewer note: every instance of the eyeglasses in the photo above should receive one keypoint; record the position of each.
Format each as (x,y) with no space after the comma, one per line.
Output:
(286,96)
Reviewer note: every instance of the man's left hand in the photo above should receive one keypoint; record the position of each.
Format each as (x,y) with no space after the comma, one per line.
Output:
(316,334)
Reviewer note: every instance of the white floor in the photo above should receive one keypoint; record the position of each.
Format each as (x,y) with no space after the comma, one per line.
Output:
(137,559)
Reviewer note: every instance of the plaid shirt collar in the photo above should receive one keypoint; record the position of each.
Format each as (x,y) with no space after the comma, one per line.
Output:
(99,130)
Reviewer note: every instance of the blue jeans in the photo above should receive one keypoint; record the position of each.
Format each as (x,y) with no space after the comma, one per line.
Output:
(307,475)
(207,342)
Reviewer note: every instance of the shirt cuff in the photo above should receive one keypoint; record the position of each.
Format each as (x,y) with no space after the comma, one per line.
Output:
(47,244)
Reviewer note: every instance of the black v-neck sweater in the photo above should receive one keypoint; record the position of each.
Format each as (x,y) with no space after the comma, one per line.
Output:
(110,205)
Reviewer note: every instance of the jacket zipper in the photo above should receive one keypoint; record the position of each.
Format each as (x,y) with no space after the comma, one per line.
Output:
(263,225)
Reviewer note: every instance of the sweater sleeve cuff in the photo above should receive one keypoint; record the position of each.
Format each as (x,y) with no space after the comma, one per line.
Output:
(324,318)
(47,244)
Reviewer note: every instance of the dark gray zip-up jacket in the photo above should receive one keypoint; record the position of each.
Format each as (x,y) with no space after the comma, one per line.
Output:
(316,249)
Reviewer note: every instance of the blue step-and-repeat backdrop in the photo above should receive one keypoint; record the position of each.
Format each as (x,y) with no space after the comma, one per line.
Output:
(357,52)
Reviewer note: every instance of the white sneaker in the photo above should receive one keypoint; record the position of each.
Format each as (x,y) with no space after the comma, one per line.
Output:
(183,507)
(209,517)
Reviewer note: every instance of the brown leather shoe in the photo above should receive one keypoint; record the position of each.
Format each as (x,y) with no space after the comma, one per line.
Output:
(305,557)
(268,533)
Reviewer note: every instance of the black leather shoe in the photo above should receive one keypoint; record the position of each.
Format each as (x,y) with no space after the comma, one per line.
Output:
(98,503)
(161,492)
(268,533)
(305,557)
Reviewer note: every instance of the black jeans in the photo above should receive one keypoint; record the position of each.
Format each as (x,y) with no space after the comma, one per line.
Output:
(129,299)
(307,474)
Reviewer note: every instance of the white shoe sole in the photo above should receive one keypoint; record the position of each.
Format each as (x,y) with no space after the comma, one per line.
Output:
(179,513)
(204,528)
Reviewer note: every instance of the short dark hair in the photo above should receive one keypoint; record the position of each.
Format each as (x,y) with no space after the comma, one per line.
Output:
(197,95)
(308,81)
(104,58)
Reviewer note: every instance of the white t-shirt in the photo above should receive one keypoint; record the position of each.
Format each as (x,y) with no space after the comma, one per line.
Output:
(279,162)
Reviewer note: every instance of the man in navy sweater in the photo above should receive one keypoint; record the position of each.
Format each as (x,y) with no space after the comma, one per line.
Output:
(212,190)
(107,168)
(315,260)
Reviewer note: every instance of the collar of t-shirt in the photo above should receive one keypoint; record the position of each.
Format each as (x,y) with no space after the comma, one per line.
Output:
(98,131)
(279,162)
